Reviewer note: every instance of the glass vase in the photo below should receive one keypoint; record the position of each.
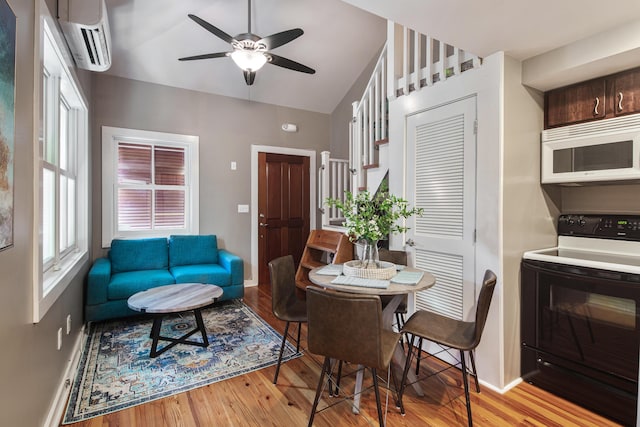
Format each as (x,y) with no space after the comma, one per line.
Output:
(368,254)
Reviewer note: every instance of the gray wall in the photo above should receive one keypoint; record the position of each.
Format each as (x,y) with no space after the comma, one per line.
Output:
(31,367)
(227,128)
(528,213)
(342,114)
(601,199)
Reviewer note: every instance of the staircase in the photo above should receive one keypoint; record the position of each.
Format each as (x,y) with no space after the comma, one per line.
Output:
(409,62)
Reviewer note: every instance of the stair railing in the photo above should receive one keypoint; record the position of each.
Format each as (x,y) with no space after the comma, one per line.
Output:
(420,60)
(335,181)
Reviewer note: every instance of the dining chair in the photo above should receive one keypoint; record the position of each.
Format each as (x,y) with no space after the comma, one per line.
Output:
(451,334)
(398,258)
(284,302)
(348,327)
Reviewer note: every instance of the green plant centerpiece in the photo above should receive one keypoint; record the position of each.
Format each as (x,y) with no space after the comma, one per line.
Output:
(370,218)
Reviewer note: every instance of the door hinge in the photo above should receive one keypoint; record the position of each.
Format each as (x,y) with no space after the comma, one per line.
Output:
(475,127)
(475,236)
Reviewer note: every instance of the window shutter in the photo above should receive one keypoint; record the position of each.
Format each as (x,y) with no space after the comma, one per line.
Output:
(170,208)
(146,175)
(169,165)
(134,209)
(134,163)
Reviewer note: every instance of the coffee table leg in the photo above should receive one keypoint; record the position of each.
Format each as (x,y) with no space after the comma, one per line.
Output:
(155,335)
(200,325)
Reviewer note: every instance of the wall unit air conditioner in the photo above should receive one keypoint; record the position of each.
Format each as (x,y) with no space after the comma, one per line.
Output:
(86,27)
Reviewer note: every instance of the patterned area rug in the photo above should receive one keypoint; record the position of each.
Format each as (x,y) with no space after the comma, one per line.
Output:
(116,372)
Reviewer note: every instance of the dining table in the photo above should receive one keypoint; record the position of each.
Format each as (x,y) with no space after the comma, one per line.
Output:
(325,276)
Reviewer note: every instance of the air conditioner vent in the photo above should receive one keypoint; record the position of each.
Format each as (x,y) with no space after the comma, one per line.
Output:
(86,29)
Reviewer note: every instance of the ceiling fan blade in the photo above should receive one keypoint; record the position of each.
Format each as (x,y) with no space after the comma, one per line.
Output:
(249,77)
(276,40)
(205,56)
(292,65)
(215,30)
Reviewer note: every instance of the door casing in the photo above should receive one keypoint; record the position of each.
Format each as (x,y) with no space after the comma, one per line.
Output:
(255,149)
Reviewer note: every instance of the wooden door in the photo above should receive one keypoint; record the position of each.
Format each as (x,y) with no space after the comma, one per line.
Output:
(283,208)
(576,103)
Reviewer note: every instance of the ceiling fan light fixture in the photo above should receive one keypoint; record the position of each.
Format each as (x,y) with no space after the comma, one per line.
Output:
(249,60)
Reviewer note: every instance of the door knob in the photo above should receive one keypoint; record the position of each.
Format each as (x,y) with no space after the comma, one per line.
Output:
(410,242)
(262,224)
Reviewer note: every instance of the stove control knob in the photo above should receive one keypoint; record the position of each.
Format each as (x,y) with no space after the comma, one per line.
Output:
(582,222)
(572,221)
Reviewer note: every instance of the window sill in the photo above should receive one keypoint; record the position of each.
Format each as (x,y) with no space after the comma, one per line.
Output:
(54,283)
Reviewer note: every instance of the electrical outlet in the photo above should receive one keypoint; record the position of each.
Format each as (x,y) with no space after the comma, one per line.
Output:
(59,338)
(68,324)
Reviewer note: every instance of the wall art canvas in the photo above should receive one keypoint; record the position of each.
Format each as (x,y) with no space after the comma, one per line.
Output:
(7,121)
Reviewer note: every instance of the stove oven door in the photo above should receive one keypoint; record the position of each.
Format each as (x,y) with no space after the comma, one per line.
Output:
(581,334)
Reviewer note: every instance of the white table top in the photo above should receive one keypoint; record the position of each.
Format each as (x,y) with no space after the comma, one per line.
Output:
(174,298)
(426,282)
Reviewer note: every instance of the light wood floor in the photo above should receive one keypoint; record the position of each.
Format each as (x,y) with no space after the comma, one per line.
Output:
(253,400)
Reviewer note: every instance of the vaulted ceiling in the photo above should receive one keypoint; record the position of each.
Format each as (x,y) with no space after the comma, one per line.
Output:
(340,38)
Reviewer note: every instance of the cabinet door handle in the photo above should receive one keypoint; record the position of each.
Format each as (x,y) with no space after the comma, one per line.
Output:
(595,109)
(620,101)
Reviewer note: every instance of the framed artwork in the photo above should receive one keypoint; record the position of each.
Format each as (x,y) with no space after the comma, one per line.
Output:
(7,121)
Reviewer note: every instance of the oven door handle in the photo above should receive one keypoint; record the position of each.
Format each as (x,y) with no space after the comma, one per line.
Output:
(572,271)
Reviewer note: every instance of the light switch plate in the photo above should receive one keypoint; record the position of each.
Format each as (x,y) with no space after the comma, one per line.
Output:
(243,208)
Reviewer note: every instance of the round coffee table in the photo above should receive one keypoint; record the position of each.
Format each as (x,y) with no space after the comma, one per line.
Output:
(171,299)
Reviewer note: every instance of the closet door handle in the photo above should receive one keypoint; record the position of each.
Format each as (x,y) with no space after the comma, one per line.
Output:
(620,96)
(595,109)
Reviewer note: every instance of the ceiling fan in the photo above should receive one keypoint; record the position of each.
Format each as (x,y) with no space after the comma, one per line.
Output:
(250,51)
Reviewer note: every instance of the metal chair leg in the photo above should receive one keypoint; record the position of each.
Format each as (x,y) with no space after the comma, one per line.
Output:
(298,341)
(418,355)
(465,380)
(377,391)
(338,376)
(475,372)
(284,340)
(407,365)
(326,366)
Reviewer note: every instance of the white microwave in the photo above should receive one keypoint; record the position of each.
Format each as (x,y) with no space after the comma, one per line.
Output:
(601,151)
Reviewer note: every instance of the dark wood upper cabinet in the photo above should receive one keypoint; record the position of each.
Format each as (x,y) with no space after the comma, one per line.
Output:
(626,92)
(576,103)
(604,97)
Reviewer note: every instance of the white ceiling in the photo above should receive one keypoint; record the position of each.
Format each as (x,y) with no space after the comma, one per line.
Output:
(339,41)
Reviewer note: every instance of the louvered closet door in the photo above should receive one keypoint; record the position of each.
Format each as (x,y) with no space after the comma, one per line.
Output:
(441,178)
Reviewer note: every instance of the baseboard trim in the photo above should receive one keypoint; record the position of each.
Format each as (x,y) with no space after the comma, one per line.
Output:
(504,389)
(250,283)
(64,388)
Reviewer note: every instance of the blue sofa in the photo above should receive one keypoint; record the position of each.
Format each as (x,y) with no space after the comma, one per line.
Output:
(140,264)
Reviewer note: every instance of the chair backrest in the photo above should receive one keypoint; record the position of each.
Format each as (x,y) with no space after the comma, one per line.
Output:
(345,326)
(396,257)
(283,284)
(484,301)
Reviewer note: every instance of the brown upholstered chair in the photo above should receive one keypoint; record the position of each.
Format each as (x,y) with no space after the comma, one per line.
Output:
(348,327)
(451,333)
(284,302)
(398,258)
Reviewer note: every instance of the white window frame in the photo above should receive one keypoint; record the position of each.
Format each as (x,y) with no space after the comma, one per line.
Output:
(53,62)
(111,136)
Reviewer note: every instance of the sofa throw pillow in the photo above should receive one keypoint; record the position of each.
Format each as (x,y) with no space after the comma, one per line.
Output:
(193,250)
(139,254)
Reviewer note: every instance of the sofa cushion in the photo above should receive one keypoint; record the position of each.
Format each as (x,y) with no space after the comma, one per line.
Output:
(139,254)
(192,250)
(123,285)
(202,273)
